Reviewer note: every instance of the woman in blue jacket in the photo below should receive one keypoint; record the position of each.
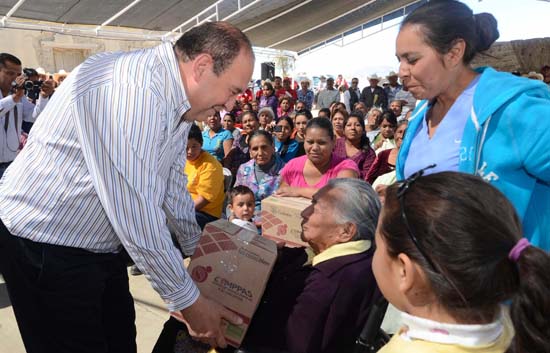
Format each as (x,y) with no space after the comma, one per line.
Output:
(481,121)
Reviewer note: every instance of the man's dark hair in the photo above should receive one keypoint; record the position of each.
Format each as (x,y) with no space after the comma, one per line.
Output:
(221,40)
(8,57)
(326,111)
(195,133)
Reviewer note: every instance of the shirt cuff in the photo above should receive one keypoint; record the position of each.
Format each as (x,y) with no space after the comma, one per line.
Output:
(183,297)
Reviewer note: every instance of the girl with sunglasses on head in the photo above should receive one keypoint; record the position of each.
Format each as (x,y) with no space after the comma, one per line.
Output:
(449,254)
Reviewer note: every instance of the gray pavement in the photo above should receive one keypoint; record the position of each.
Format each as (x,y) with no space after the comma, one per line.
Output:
(150,316)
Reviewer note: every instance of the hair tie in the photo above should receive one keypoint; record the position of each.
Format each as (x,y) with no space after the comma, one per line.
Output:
(515,253)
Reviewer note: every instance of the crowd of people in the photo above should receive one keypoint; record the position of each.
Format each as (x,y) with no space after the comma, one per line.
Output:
(429,187)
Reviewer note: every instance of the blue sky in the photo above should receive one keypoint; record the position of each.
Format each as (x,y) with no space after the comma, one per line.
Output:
(517,19)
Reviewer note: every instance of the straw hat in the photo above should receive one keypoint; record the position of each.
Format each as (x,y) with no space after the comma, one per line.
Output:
(373,77)
(535,76)
(392,74)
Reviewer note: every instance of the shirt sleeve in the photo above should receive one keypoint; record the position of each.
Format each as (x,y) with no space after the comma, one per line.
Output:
(35,110)
(122,154)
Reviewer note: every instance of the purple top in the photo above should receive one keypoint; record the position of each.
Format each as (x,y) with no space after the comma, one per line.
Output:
(363,159)
(271,102)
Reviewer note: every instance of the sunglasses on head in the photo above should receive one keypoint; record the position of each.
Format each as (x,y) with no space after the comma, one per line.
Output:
(401,192)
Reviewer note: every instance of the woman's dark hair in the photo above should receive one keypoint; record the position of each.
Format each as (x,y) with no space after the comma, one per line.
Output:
(261,133)
(321,123)
(269,87)
(195,133)
(341,111)
(230,115)
(251,113)
(239,190)
(325,110)
(288,120)
(305,112)
(443,22)
(285,98)
(468,228)
(389,116)
(249,106)
(365,143)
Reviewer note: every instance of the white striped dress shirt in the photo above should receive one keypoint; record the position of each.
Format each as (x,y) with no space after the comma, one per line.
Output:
(103,164)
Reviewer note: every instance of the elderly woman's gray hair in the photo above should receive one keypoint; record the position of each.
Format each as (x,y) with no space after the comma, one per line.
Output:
(357,203)
(268,111)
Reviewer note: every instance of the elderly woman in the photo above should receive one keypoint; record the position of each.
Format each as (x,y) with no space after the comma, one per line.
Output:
(266,117)
(262,173)
(304,176)
(355,144)
(475,121)
(317,299)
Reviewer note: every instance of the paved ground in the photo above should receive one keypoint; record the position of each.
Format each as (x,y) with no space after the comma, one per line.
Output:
(150,316)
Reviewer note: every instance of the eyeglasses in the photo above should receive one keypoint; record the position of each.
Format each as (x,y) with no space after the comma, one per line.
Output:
(401,191)
(403,188)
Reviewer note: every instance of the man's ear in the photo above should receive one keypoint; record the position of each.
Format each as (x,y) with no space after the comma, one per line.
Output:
(455,55)
(202,64)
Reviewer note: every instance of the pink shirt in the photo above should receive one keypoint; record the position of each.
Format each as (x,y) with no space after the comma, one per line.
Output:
(293,171)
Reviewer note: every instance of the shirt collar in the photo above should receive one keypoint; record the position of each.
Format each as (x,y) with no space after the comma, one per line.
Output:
(170,62)
(465,335)
(337,250)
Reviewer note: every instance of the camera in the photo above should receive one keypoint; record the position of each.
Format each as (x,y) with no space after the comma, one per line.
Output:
(32,88)
(277,128)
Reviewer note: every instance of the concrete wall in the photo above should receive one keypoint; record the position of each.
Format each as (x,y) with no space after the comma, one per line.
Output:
(521,55)
(35,48)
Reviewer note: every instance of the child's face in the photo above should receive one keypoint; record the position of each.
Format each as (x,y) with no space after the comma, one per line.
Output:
(242,207)
(386,129)
(384,269)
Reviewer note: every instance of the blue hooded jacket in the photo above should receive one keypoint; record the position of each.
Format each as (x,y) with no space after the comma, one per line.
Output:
(506,141)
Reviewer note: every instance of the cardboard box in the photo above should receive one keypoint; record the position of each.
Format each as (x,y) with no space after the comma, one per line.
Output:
(281,219)
(231,265)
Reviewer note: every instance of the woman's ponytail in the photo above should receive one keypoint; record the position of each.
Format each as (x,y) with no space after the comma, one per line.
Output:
(530,309)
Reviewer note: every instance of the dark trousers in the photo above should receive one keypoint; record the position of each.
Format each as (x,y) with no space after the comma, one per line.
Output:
(203,218)
(68,300)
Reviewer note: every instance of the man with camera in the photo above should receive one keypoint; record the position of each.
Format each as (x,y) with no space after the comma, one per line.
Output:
(15,107)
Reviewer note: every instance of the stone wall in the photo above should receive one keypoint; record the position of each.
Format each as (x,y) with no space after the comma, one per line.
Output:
(521,55)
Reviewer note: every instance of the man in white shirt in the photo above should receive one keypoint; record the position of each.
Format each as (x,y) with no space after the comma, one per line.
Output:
(103,170)
(15,107)
(328,95)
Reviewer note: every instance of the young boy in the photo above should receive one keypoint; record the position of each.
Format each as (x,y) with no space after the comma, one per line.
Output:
(241,205)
